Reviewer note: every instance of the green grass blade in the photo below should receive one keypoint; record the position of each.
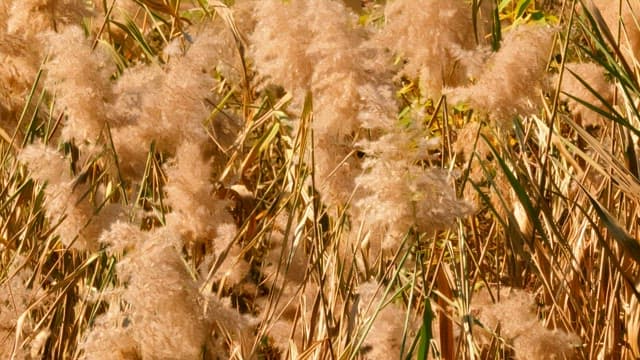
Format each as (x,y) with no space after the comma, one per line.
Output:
(426,334)
(628,243)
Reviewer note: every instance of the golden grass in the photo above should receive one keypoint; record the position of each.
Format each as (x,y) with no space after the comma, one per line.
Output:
(269,180)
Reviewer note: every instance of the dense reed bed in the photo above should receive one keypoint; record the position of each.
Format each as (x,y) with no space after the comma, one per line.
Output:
(319,179)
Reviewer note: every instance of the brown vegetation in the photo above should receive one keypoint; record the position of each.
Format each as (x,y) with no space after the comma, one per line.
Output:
(318,179)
